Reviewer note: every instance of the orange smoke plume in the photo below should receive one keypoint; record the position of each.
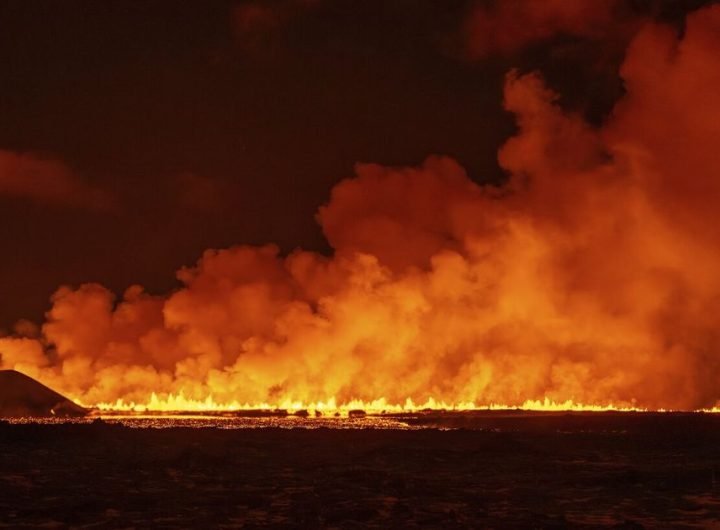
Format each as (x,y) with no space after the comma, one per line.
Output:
(589,277)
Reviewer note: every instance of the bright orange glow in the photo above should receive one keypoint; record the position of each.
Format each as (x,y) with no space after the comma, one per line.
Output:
(178,403)
(588,281)
(173,403)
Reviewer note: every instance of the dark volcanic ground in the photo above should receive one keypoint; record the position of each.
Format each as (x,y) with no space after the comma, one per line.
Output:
(500,471)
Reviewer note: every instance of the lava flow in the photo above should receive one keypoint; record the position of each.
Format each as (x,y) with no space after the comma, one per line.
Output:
(589,280)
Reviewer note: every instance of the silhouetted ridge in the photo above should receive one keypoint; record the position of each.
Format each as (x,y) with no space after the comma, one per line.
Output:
(21,395)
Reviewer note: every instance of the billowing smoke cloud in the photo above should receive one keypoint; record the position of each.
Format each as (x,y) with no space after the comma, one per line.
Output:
(591,275)
(506,26)
(47,181)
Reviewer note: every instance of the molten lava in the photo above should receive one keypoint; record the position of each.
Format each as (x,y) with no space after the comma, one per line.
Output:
(179,403)
(588,281)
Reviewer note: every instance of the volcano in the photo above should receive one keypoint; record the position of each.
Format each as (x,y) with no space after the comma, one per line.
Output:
(21,395)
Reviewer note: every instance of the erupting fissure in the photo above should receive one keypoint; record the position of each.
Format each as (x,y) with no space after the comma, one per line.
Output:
(179,403)
(589,280)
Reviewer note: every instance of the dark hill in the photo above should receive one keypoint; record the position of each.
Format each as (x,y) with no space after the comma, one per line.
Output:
(21,395)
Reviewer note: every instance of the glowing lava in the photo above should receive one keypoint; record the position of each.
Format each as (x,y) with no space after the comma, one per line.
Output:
(179,403)
(588,281)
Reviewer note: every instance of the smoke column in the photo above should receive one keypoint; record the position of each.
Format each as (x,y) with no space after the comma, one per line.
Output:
(591,275)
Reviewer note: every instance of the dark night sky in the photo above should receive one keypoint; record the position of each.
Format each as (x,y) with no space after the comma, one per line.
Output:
(205,134)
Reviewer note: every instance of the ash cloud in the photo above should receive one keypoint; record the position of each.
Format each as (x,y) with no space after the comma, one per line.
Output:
(590,275)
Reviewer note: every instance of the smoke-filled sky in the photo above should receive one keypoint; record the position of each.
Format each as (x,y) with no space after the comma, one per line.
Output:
(441,191)
(134,135)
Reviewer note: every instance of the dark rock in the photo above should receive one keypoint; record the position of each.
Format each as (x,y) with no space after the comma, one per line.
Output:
(357,413)
(21,396)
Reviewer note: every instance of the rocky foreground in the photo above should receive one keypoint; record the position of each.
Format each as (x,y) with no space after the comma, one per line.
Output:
(625,471)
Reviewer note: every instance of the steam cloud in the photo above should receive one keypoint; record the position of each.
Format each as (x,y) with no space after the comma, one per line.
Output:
(591,275)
